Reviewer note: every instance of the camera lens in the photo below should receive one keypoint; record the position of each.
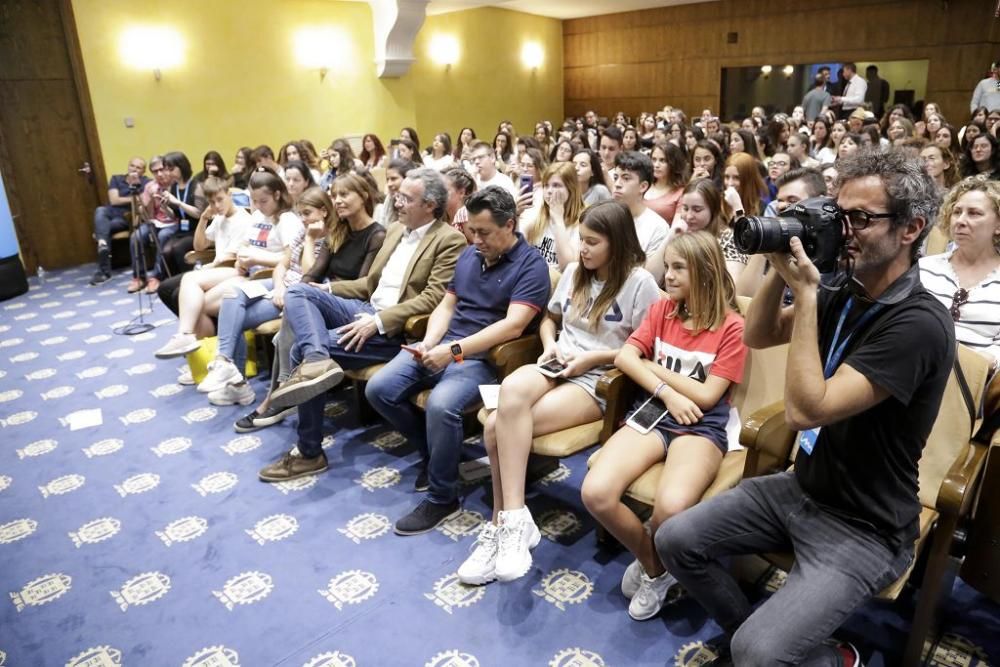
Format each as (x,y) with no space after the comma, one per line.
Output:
(754,235)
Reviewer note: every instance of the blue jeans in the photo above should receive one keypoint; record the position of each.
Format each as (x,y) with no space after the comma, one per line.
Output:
(313,315)
(237,313)
(107,221)
(838,566)
(140,238)
(437,433)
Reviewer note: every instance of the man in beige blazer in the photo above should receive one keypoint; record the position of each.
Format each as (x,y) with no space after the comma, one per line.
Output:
(360,323)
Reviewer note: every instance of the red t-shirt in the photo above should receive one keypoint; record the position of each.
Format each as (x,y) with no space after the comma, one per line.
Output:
(665,340)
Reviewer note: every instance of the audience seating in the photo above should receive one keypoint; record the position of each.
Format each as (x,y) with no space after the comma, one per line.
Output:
(763,383)
(950,472)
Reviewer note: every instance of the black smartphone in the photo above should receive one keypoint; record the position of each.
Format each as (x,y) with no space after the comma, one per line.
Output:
(526,183)
(647,416)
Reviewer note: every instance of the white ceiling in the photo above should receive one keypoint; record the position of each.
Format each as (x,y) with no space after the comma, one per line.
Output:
(558,9)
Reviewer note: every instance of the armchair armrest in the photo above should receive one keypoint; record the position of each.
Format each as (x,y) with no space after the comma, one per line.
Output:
(225,264)
(508,357)
(958,488)
(263,274)
(618,391)
(192,257)
(416,326)
(768,440)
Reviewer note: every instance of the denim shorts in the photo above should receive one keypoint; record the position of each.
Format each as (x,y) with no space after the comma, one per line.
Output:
(712,425)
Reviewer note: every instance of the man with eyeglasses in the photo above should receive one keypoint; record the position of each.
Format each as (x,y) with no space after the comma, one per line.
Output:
(360,323)
(867,364)
(484,164)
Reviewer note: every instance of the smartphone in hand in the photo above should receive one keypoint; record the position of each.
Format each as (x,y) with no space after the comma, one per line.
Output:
(526,183)
(415,351)
(551,368)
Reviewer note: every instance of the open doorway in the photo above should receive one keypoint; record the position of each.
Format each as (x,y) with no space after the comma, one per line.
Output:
(779,88)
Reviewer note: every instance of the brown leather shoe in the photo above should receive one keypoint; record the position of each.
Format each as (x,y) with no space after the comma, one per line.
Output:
(292,466)
(307,380)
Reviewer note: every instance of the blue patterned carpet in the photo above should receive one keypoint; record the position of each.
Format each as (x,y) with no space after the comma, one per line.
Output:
(148,540)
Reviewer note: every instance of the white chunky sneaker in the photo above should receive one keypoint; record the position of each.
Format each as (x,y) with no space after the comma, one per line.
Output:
(231,394)
(480,567)
(648,600)
(518,536)
(220,373)
(631,579)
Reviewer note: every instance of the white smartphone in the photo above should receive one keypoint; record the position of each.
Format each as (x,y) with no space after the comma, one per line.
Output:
(647,416)
(551,368)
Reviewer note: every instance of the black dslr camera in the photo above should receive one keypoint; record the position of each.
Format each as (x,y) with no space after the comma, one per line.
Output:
(818,222)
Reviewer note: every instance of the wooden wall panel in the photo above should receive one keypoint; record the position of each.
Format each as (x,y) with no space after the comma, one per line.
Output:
(636,61)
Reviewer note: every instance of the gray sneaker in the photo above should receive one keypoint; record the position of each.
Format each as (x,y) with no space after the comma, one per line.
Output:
(308,379)
(630,580)
(178,345)
(652,593)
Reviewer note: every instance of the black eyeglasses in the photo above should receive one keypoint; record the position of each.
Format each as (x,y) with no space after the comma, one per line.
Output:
(958,299)
(860,219)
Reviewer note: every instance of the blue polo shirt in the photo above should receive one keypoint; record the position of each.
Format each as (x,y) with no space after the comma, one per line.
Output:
(485,292)
(118,182)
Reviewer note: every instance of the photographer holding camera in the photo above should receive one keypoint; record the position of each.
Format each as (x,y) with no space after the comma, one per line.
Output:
(868,362)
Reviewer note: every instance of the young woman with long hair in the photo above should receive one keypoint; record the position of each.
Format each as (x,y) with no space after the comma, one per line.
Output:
(463,147)
(590,176)
(670,175)
(440,157)
(940,165)
(707,162)
(743,174)
(600,299)
(298,178)
(821,143)
(553,229)
(685,356)
(703,208)
(372,152)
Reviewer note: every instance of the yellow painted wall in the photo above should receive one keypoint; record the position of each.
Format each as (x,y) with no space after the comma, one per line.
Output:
(489,83)
(241,84)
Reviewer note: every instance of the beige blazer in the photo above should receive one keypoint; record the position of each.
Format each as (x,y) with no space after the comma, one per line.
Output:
(428,274)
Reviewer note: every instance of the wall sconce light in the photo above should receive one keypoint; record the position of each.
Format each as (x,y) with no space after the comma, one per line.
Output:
(766,70)
(788,70)
(532,55)
(444,50)
(151,48)
(321,49)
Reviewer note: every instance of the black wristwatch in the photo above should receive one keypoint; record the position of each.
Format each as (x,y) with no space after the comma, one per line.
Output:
(456,352)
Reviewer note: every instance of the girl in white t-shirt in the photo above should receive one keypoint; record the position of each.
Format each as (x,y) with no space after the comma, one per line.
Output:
(598,303)
(271,229)
(552,228)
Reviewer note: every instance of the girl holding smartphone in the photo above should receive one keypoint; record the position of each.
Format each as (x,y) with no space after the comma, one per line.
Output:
(598,303)
(685,356)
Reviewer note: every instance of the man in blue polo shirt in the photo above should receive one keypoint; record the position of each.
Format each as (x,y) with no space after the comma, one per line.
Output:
(500,288)
(111,218)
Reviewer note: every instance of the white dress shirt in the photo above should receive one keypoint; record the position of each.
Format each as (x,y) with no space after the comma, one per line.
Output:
(854,93)
(390,283)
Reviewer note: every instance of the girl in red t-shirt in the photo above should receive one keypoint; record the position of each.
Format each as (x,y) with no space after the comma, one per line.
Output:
(687,353)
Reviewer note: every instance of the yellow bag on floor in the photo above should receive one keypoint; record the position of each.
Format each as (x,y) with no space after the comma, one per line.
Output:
(199,359)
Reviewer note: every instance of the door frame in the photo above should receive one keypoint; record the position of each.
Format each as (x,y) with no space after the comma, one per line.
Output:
(29,256)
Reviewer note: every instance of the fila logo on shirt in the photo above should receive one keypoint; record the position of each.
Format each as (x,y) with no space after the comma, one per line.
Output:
(614,313)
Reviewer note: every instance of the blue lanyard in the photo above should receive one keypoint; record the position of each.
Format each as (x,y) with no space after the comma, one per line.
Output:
(836,352)
(181,196)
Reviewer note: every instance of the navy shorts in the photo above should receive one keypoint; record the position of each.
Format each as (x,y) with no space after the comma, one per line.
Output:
(712,426)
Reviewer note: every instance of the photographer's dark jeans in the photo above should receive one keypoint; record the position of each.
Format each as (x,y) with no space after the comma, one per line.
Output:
(107,221)
(838,566)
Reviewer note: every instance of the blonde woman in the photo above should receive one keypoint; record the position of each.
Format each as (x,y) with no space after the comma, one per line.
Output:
(553,229)
(686,355)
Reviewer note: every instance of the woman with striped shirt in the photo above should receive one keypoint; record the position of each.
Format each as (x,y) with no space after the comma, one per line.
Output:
(966,279)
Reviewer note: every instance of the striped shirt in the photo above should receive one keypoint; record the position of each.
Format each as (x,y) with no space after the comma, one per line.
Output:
(978,326)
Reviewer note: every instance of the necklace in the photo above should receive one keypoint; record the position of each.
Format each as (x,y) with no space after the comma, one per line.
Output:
(682,312)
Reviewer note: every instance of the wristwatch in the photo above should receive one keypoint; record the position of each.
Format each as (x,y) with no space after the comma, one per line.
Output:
(456,352)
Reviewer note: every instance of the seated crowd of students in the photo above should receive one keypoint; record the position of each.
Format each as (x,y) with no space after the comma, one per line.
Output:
(612,242)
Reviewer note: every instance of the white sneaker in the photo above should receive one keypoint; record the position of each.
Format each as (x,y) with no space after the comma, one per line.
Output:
(480,567)
(631,579)
(231,394)
(518,536)
(185,378)
(648,600)
(220,373)
(178,345)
